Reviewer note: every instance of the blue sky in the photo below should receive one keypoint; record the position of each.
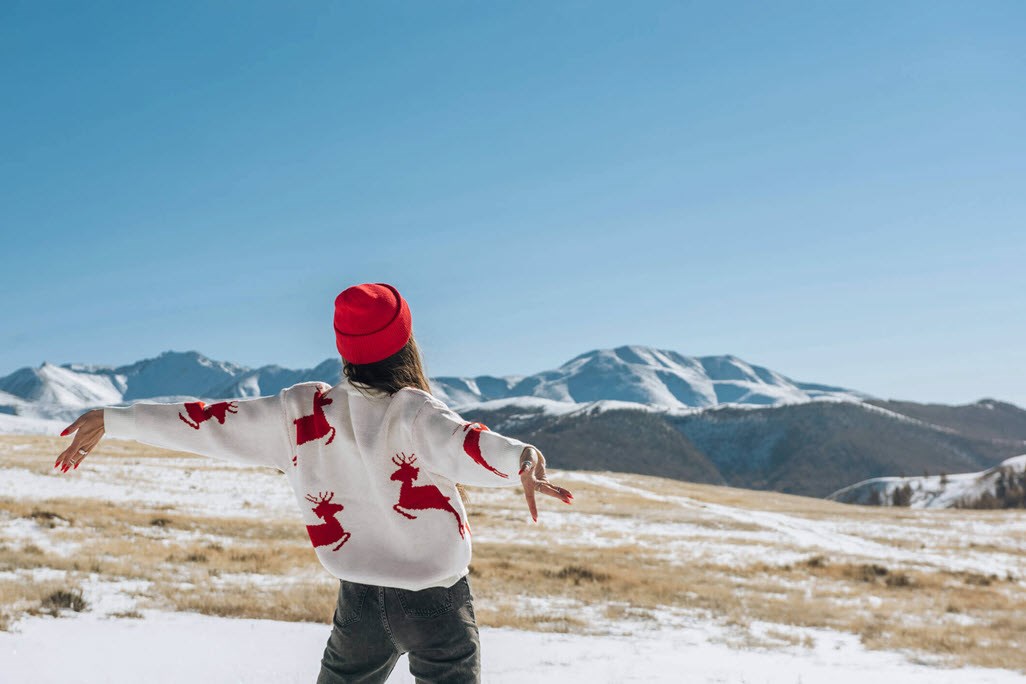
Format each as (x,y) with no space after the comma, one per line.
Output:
(832,190)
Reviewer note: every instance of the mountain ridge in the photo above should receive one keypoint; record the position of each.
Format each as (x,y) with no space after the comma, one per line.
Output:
(714,419)
(629,373)
(646,375)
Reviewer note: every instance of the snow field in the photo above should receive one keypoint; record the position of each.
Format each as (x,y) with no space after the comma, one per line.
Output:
(616,640)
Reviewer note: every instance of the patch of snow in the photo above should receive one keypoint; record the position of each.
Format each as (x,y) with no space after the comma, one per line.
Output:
(26,531)
(204,486)
(931,491)
(783,535)
(28,425)
(177,647)
(658,645)
(550,407)
(33,574)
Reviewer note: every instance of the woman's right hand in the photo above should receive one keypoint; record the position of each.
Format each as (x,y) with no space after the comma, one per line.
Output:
(88,429)
(532,476)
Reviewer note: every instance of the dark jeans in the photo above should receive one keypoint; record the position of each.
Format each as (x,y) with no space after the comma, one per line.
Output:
(374,625)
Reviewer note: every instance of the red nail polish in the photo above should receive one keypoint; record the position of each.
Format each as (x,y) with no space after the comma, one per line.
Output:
(65,432)
(76,465)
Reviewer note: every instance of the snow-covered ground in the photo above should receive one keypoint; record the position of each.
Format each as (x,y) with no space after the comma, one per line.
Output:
(932,491)
(30,425)
(681,525)
(733,535)
(214,488)
(181,647)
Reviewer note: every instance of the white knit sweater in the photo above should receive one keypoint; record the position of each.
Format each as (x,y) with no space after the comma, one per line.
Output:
(374,475)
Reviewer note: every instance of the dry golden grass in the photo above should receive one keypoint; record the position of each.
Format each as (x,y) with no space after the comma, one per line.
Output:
(31,451)
(270,570)
(507,613)
(907,609)
(582,573)
(115,540)
(777,636)
(37,453)
(300,602)
(35,598)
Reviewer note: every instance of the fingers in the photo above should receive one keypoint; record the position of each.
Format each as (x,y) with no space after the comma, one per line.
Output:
(88,429)
(532,506)
(92,420)
(560,493)
(64,460)
(534,479)
(79,456)
(67,458)
(73,456)
(74,426)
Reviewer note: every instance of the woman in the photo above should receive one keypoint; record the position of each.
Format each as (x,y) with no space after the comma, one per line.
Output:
(373,462)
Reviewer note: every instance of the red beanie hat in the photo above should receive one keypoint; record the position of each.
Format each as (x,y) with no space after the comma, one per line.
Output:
(372,322)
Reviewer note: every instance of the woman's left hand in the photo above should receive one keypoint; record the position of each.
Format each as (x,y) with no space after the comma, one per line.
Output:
(532,476)
(88,429)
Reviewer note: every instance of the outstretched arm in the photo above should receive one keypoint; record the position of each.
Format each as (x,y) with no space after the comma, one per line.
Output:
(468,452)
(248,431)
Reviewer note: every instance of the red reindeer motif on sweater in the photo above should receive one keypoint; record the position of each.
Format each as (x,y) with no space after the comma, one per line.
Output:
(314,426)
(330,531)
(200,412)
(472,445)
(420,497)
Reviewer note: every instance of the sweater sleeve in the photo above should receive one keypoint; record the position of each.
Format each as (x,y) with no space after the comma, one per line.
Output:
(247,431)
(464,451)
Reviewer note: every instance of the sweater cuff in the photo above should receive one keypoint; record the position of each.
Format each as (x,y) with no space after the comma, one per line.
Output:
(119,422)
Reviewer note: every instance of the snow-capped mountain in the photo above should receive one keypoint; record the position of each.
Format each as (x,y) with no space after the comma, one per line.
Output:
(33,399)
(63,385)
(643,375)
(635,375)
(971,490)
(715,419)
